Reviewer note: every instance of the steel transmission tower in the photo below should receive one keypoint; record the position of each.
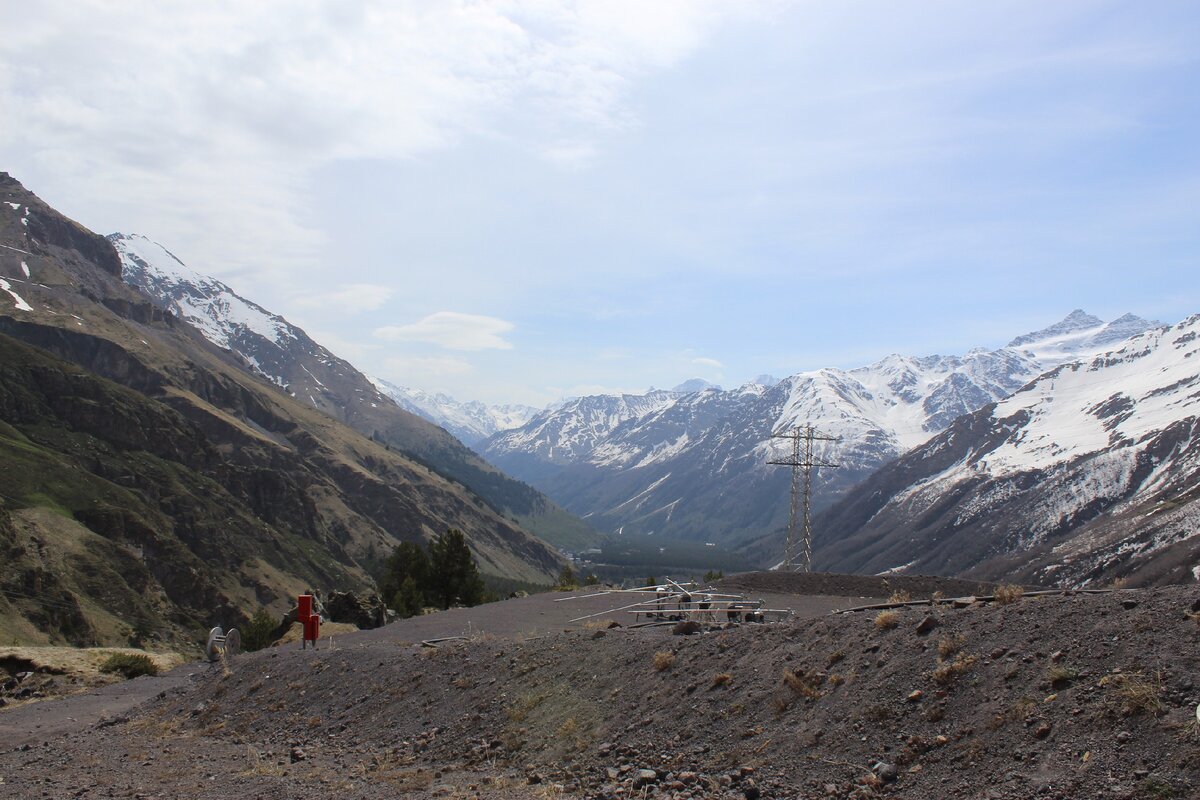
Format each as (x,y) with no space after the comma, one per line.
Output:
(797,554)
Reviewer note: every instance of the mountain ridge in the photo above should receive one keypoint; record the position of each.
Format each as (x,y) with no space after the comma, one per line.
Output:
(125,430)
(1086,474)
(693,465)
(287,357)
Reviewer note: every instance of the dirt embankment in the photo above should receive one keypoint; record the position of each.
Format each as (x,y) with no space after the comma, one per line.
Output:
(882,586)
(1073,696)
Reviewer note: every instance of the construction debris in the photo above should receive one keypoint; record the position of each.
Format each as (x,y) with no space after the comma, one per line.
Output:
(675,602)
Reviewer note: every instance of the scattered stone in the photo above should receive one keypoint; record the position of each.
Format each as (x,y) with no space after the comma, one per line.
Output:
(686,628)
(644,777)
(296,754)
(926,625)
(1042,731)
(599,634)
(915,695)
(886,772)
(1129,604)
(750,790)
(963,602)
(1123,737)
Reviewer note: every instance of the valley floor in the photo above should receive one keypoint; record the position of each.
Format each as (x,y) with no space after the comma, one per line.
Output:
(1065,696)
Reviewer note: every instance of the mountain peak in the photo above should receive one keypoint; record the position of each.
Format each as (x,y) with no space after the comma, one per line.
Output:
(694,385)
(1077,320)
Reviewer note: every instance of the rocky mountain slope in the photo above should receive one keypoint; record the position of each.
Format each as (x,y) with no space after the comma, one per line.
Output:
(285,355)
(1088,473)
(693,465)
(470,422)
(153,486)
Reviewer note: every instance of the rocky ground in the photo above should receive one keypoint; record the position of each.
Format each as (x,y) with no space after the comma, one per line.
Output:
(1064,696)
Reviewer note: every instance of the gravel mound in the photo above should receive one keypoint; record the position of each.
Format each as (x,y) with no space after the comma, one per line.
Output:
(1066,696)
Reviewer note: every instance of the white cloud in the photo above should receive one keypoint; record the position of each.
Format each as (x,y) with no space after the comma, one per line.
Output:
(453,331)
(202,124)
(708,362)
(347,297)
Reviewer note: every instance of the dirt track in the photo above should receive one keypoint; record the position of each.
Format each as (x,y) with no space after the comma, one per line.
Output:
(374,716)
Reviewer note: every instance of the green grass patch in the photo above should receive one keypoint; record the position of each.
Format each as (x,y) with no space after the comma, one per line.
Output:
(129,665)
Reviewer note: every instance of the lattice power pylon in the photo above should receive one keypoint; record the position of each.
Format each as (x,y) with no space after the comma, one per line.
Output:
(797,553)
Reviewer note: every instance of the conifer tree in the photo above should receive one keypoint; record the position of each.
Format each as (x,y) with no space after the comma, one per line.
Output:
(453,576)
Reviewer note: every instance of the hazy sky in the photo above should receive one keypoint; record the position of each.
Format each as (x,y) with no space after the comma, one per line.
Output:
(516,201)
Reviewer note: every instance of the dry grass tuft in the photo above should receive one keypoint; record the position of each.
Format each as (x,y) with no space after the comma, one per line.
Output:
(950,671)
(596,624)
(520,709)
(948,646)
(836,679)
(1137,693)
(261,767)
(886,620)
(900,596)
(1019,710)
(1194,616)
(1008,594)
(663,659)
(804,684)
(721,679)
(1060,676)
(835,658)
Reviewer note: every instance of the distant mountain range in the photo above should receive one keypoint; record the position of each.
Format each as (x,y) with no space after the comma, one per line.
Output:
(692,465)
(1087,474)
(471,422)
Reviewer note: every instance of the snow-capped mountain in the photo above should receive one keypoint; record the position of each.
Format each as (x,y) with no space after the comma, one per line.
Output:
(693,465)
(273,347)
(1088,472)
(285,355)
(471,422)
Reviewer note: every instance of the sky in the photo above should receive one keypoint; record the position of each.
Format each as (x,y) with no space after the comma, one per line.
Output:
(520,201)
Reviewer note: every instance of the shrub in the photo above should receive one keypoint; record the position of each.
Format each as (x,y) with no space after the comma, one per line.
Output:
(257,633)
(129,665)
(1009,593)
(886,620)
(721,679)
(948,646)
(663,660)
(948,672)
(568,581)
